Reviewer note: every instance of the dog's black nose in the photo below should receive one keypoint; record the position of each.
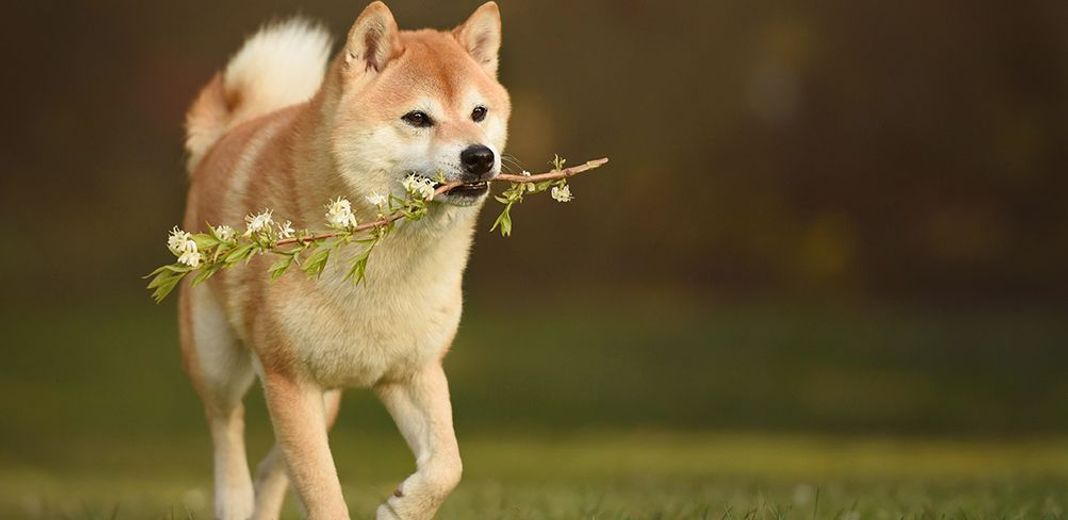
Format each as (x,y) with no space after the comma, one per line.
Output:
(477,159)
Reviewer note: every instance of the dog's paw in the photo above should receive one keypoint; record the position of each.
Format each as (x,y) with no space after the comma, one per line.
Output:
(386,512)
(235,504)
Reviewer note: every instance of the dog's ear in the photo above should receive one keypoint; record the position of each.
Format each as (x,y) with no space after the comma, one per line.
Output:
(373,40)
(481,36)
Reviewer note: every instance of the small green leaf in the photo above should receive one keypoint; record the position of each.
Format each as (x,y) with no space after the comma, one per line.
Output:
(358,271)
(164,284)
(280,267)
(506,225)
(174,268)
(205,241)
(204,274)
(240,253)
(316,263)
(504,220)
(159,280)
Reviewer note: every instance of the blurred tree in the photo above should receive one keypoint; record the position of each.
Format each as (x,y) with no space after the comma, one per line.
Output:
(835,148)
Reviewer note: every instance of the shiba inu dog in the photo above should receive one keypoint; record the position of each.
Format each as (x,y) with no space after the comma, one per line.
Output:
(286,127)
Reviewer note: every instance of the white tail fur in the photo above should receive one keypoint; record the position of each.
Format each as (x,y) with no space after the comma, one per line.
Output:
(281,65)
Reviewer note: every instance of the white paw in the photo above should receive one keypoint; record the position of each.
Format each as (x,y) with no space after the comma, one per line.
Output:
(237,503)
(385,512)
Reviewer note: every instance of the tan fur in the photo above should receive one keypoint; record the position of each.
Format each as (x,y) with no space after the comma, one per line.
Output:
(306,337)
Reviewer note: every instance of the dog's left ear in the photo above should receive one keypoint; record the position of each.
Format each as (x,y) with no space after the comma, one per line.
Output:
(481,36)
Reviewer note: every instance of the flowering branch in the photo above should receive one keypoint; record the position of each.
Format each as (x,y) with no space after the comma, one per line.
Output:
(222,248)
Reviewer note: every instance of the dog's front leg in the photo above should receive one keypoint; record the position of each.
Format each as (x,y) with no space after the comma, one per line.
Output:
(300,430)
(420,406)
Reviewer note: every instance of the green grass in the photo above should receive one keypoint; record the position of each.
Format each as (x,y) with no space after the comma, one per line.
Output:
(605,475)
(665,410)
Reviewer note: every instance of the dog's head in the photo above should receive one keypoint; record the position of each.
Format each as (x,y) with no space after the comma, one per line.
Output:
(420,102)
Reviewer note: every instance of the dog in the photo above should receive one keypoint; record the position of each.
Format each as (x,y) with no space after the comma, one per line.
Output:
(286,127)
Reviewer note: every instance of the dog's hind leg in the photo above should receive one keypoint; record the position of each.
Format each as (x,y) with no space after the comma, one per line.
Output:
(271,475)
(420,406)
(221,371)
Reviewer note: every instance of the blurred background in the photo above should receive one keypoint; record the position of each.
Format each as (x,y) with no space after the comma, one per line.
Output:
(840,218)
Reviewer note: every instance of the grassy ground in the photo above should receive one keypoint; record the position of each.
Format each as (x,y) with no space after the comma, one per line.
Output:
(567,414)
(596,476)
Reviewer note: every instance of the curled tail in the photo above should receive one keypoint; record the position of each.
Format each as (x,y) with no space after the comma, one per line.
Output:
(281,65)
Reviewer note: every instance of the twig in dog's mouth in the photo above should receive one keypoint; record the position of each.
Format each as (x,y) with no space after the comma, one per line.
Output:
(445,188)
(210,252)
(528,179)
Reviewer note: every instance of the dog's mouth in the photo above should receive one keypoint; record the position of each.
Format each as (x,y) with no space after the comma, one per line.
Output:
(463,195)
(473,189)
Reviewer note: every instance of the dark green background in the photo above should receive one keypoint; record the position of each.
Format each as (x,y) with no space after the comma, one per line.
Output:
(832,216)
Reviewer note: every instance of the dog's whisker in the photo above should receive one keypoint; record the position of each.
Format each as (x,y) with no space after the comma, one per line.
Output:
(512,162)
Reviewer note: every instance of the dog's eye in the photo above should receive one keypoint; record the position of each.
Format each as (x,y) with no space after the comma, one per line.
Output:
(418,119)
(478,114)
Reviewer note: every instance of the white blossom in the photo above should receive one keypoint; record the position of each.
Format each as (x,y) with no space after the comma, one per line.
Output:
(190,258)
(285,230)
(177,240)
(421,187)
(562,193)
(376,199)
(339,214)
(530,185)
(187,251)
(224,232)
(259,222)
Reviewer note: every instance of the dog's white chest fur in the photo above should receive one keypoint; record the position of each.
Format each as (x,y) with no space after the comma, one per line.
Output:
(402,317)
(355,339)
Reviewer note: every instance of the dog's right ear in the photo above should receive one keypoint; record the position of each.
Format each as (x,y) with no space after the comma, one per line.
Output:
(373,41)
